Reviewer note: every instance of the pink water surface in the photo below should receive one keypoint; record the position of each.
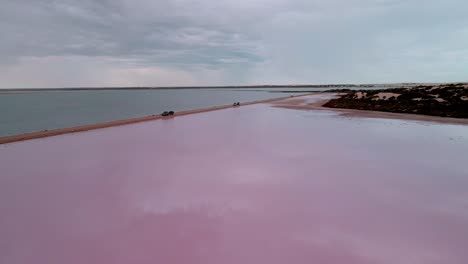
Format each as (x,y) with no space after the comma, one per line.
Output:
(255,184)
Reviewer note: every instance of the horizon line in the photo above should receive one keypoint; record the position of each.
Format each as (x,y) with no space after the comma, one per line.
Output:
(229,86)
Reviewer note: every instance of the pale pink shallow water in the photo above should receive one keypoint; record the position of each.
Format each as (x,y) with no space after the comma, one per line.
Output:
(255,184)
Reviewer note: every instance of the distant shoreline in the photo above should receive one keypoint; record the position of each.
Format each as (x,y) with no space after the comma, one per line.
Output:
(32,90)
(7,90)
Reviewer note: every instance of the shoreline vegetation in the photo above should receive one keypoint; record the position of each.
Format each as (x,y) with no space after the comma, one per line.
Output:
(444,100)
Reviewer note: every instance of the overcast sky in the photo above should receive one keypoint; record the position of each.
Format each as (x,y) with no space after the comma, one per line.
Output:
(71,43)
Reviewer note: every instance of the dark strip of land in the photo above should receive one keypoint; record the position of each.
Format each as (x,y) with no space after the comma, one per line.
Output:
(344,85)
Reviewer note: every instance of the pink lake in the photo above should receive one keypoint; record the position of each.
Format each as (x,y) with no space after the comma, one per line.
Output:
(249,185)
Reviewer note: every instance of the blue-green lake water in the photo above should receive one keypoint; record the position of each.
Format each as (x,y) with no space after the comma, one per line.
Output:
(24,112)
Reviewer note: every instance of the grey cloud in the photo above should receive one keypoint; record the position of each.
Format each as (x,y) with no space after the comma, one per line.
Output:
(105,28)
(247,41)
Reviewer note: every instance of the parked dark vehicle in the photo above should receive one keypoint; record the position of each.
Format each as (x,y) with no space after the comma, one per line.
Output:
(167,113)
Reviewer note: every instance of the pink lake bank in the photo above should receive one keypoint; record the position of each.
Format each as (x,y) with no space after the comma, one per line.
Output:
(255,184)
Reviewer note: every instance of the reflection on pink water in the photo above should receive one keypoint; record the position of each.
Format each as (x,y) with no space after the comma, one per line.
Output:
(255,184)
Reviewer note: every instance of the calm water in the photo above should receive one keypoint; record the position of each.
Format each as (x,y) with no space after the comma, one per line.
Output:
(30,112)
(251,185)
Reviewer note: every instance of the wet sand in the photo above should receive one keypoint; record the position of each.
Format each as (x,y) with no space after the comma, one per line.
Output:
(253,184)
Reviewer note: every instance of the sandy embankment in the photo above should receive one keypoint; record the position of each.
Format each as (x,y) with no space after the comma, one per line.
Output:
(316,102)
(56,132)
(311,101)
